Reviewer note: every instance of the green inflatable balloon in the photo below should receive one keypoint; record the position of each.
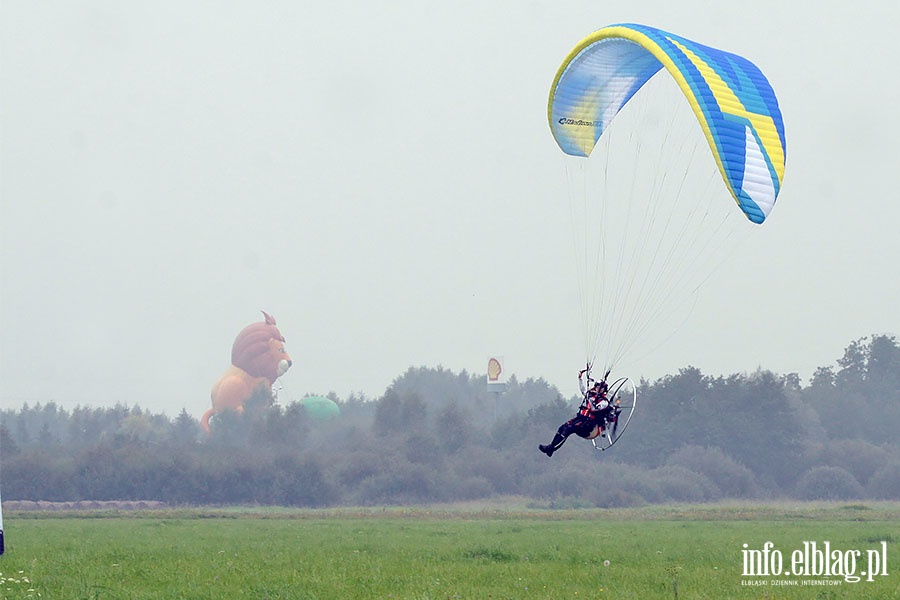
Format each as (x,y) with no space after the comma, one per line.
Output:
(320,408)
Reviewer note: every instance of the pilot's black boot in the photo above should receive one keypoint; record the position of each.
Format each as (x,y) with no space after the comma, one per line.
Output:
(558,441)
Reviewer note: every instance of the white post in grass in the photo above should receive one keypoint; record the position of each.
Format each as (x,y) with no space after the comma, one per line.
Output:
(1,526)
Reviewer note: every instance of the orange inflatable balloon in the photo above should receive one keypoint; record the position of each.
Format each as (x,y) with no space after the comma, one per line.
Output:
(258,358)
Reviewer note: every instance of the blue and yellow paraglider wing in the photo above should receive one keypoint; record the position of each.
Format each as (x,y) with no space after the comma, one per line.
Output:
(733,101)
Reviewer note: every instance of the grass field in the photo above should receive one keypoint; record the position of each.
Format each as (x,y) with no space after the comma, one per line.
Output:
(466,551)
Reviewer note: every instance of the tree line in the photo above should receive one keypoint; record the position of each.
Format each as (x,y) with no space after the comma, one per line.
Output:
(439,436)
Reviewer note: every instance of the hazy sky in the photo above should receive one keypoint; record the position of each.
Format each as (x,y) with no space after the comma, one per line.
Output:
(380,177)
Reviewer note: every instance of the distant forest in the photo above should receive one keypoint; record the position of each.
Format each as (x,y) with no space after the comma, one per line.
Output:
(439,436)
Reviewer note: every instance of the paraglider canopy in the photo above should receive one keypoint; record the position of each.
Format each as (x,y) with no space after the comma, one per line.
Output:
(731,98)
(656,132)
